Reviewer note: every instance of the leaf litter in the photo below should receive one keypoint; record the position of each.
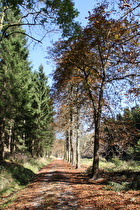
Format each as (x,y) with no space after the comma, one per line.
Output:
(59,186)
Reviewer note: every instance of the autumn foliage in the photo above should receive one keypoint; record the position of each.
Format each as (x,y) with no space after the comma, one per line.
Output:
(98,65)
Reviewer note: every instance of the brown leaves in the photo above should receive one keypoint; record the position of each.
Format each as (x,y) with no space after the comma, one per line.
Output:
(61,185)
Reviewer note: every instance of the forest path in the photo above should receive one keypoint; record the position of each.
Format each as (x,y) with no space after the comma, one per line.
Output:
(59,186)
(52,189)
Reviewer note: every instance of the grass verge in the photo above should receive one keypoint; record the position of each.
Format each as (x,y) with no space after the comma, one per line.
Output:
(16,173)
(119,175)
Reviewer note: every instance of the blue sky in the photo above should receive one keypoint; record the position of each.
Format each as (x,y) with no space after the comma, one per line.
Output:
(38,51)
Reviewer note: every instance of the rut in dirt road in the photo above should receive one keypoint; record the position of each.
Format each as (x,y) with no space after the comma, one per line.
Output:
(50,190)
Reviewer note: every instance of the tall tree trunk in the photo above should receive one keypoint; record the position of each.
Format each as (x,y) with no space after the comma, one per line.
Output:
(97,119)
(71,147)
(77,151)
(2,138)
(1,149)
(95,167)
(71,138)
(66,152)
(12,143)
(29,143)
(10,137)
(77,141)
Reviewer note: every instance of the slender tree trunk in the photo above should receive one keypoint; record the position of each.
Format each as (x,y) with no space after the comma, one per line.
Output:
(30,146)
(12,143)
(71,147)
(71,138)
(77,151)
(1,148)
(66,152)
(77,141)
(29,143)
(2,138)
(10,137)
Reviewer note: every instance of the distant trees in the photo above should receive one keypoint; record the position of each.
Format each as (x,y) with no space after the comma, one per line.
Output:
(100,62)
(68,120)
(20,119)
(58,148)
(40,136)
(121,136)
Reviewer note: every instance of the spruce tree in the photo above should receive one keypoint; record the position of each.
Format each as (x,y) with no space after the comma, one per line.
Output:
(14,74)
(40,134)
(25,105)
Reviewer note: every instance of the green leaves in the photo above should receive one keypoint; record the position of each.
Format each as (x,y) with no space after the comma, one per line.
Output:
(16,3)
(64,15)
(44,13)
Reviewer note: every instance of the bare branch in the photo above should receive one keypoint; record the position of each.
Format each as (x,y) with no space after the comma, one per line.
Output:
(123,77)
(130,11)
(19,32)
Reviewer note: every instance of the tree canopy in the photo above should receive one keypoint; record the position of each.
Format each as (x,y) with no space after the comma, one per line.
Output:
(100,62)
(45,14)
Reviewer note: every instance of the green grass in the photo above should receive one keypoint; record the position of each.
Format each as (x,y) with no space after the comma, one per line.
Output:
(120,175)
(86,161)
(114,165)
(120,165)
(35,164)
(16,173)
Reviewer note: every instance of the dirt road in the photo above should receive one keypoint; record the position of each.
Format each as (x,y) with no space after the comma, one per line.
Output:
(59,186)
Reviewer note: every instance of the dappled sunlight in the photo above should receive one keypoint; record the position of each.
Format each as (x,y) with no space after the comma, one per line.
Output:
(60,186)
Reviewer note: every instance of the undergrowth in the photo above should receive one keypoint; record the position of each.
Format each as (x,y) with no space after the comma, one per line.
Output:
(16,172)
(120,175)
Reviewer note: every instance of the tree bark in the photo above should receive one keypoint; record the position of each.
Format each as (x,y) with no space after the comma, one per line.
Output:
(71,148)
(66,152)
(2,136)
(12,143)
(77,141)
(71,135)
(2,18)
(95,167)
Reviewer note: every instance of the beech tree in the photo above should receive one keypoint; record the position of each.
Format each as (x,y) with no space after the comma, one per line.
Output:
(67,121)
(104,57)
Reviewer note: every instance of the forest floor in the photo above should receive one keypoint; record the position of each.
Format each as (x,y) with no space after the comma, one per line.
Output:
(59,186)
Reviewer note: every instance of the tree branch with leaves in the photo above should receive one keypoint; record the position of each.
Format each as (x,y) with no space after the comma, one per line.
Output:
(95,59)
